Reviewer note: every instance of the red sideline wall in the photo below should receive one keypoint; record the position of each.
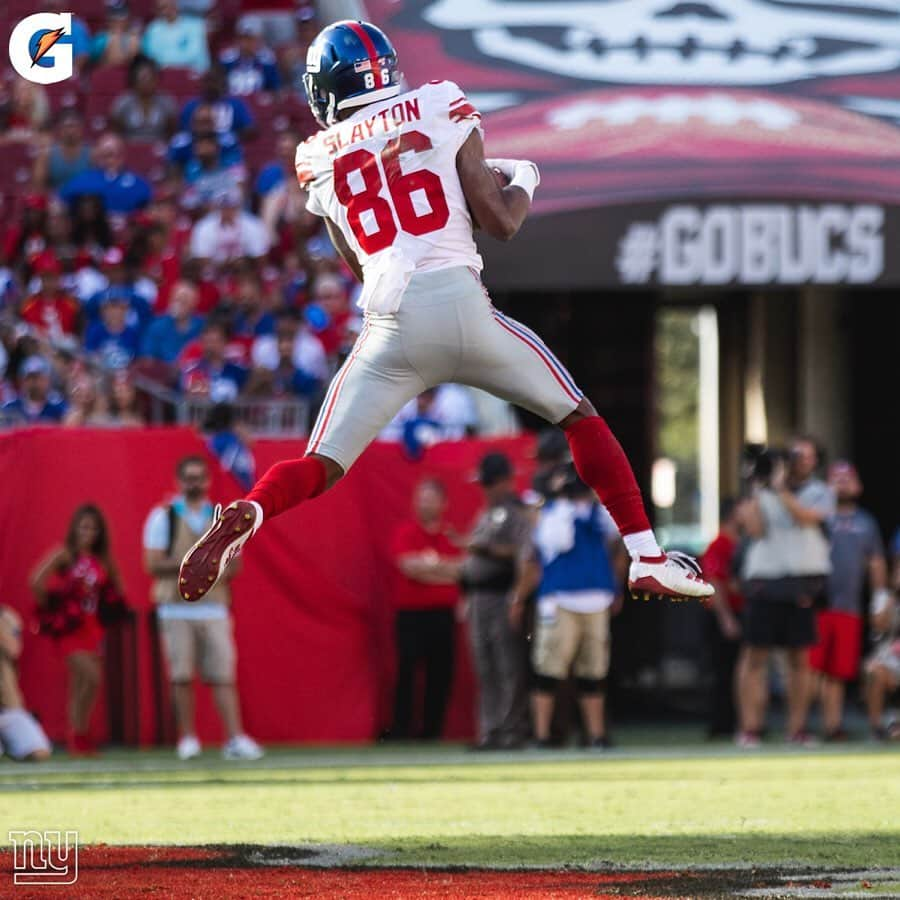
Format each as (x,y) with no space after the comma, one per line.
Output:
(312,607)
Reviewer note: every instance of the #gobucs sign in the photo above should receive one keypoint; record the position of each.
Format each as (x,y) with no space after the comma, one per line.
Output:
(755,244)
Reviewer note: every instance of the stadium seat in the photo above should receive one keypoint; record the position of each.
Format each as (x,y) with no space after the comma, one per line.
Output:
(64,95)
(182,84)
(107,83)
(17,160)
(146,159)
(15,177)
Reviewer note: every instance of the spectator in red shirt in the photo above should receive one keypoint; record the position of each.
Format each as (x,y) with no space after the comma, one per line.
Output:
(27,239)
(426,594)
(51,310)
(723,621)
(329,313)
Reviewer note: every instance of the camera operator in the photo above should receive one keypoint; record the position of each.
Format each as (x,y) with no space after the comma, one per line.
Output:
(784,574)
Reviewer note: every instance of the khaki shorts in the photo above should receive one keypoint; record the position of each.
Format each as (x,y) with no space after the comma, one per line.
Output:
(445,331)
(566,638)
(207,644)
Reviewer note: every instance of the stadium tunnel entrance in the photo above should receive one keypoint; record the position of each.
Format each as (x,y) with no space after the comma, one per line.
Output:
(816,360)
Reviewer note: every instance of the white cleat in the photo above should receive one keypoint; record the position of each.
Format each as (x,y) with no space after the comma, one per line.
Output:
(188,747)
(674,575)
(204,564)
(242,746)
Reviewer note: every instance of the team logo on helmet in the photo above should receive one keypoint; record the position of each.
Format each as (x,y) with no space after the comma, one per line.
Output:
(349,64)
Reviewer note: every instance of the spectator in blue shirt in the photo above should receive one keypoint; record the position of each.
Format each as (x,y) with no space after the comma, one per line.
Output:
(80,38)
(116,280)
(230,114)
(111,339)
(579,589)
(168,335)
(227,443)
(120,40)
(182,148)
(250,67)
(206,174)
(252,318)
(213,377)
(281,170)
(286,378)
(122,190)
(173,40)
(36,401)
(422,429)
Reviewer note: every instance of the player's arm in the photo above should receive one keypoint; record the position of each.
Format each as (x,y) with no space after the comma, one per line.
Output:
(499,211)
(342,247)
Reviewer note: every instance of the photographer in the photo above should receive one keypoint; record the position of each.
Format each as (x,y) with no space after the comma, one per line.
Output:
(784,575)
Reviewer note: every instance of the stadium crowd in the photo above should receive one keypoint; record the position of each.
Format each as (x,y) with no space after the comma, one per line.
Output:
(154,234)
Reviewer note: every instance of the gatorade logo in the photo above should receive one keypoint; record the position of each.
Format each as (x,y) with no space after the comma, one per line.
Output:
(40,48)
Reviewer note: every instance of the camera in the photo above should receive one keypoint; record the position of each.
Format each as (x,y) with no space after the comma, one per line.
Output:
(758,463)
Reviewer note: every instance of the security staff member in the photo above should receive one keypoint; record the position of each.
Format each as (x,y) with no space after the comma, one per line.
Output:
(497,563)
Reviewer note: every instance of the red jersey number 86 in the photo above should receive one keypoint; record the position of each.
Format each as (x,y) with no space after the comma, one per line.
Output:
(400,187)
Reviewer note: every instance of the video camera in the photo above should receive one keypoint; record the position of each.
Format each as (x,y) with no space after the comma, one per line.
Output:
(758,461)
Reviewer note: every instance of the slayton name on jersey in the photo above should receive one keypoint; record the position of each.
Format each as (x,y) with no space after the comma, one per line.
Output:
(386,177)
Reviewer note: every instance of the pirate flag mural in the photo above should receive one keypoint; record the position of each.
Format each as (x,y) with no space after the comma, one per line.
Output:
(721,142)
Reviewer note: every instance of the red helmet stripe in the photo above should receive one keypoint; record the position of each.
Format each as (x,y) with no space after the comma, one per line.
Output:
(363,35)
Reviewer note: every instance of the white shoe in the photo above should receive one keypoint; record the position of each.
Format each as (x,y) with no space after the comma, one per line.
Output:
(188,747)
(241,746)
(674,574)
(747,740)
(204,564)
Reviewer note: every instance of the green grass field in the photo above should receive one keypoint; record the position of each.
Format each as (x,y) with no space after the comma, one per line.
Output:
(442,806)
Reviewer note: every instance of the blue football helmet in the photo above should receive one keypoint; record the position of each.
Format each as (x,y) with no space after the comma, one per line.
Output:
(349,64)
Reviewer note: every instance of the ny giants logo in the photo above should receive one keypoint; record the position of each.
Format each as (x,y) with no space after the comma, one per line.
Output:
(48,857)
(40,48)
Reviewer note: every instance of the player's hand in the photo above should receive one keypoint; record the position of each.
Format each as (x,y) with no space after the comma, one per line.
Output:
(509,167)
(506,166)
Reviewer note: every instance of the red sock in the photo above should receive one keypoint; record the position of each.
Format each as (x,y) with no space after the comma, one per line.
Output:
(601,463)
(288,484)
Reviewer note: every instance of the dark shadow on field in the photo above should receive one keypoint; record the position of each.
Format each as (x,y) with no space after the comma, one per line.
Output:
(828,850)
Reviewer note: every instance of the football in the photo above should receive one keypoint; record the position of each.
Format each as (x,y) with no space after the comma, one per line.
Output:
(502,182)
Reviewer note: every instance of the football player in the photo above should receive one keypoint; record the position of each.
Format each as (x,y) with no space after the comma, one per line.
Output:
(400,178)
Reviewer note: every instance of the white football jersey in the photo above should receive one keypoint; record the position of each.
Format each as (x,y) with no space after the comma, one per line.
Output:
(386,176)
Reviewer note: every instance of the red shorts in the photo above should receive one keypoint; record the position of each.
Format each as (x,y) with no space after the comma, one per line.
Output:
(86,638)
(840,645)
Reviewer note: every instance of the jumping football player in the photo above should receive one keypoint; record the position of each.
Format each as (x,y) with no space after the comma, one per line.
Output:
(399,179)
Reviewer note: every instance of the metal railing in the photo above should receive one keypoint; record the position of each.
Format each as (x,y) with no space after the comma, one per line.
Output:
(266,417)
